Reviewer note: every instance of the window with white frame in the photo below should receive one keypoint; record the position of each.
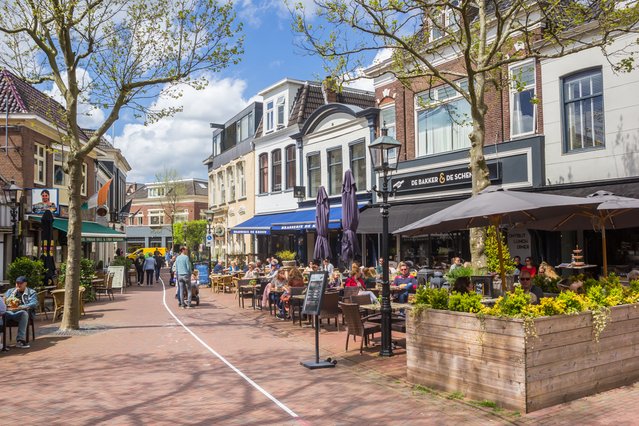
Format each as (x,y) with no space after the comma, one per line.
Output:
(281,112)
(217,144)
(221,187)
(157,192)
(136,220)
(40,164)
(387,120)
(230,182)
(212,191)
(290,166)
(156,217)
(270,116)
(314,174)
(276,170)
(334,158)
(583,110)
(522,99)
(181,216)
(59,177)
(358,164)
(83,189)
(442,22)
(263,173)
(443,121)
(241,179)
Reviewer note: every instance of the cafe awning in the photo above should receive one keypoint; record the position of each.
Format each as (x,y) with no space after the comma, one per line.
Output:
(91,231)
(370,220)
(295,220)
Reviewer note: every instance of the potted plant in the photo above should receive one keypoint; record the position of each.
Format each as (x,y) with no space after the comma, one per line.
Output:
(287,257)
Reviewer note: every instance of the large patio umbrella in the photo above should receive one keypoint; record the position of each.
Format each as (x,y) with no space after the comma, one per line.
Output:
(322,210)
(610,212)
(350,218)
(495,206)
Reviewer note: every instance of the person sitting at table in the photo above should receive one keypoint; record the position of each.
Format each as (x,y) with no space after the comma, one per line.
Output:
(380,266)
(272,272)
(233,268)
(327,266)
(456,263)
(251,272)
(295,278)
(219,267)
(335,280)
(526,283)
(370,278)
(463,285)
(529,267)
(405,278)
(258,266)
(355,280)
(21,303)
(518,264)
(547,271)
(277,283)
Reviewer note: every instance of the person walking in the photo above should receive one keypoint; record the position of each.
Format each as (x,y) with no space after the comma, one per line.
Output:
(139,268)
(149,268)
(183,273)
(159,263)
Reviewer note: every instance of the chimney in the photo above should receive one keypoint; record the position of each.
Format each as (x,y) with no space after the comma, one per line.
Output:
(329,90)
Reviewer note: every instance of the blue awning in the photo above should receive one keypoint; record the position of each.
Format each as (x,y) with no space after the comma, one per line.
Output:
(296,220)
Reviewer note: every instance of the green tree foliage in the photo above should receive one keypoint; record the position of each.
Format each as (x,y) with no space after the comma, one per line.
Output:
(113,55)
(465,44)
(491,248)
(191,234)
(32,269)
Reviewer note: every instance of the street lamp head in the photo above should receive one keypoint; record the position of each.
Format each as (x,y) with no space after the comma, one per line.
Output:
(11,193)
(385,152)
(210,215)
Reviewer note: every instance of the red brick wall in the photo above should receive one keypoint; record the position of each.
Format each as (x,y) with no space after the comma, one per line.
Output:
(497,101)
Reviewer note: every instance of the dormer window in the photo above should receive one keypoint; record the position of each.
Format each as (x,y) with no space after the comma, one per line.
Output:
(442,22)
(156,192)
(281,112)
(270,116)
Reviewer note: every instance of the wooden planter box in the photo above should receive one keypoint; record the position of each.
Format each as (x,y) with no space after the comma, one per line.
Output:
(455,352)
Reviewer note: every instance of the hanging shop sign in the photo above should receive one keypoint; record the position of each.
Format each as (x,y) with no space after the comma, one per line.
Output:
(437,179)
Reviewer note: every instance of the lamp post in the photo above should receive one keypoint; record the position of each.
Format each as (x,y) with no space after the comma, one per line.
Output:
(210,217)
(11,199)
(384,155)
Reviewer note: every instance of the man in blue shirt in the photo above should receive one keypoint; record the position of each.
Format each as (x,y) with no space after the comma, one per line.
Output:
(26,305)
(405,277)
(219,268)
(183,273)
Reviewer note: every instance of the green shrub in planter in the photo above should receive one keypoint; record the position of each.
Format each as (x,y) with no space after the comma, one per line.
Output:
(32,269)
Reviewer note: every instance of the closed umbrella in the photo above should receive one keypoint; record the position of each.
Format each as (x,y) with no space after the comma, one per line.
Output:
(495,206)
(350,218)
(46,224)
(610,212)
(322,211)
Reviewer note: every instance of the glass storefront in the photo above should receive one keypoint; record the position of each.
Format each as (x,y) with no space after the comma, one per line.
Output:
(433,250)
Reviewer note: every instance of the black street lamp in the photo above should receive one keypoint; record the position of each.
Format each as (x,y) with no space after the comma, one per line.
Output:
(384,155)
(210,217)
(12,200)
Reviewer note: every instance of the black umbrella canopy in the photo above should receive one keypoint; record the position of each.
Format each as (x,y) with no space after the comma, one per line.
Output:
(322,211)
(497,205)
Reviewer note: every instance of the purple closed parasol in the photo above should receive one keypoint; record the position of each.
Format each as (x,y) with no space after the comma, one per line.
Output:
(350,218)
(322,210)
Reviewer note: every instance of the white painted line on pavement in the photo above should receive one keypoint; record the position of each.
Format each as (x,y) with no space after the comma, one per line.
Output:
(221,358)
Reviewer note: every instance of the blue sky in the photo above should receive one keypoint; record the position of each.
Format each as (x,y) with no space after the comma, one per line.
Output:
(183,141)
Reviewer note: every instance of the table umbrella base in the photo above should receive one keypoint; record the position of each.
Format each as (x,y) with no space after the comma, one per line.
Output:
(314,365)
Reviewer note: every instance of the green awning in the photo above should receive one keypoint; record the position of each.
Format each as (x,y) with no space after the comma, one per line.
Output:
(91,231)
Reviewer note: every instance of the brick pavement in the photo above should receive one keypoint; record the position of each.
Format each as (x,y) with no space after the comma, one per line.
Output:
(135,365)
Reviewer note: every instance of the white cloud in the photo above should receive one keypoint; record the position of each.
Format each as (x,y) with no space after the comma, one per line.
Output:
(183,141)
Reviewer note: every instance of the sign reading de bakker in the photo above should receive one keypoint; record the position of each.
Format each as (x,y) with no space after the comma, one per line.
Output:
(439,179)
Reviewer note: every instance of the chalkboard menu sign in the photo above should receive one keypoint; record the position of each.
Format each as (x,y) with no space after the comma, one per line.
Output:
(314,293)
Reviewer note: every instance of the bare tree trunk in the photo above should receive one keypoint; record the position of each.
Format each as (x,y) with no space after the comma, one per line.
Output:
(71,314)
(479,169)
